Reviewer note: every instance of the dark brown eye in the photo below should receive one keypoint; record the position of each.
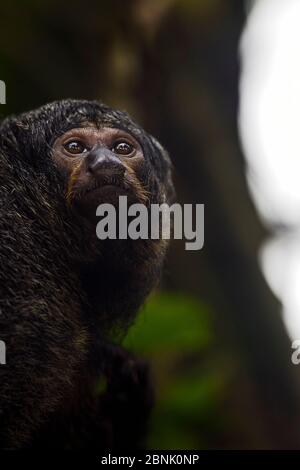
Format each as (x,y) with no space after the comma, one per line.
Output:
(123,148)
(75,147)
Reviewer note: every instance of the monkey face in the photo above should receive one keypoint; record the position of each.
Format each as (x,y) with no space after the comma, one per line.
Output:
(101,164)
(92,152)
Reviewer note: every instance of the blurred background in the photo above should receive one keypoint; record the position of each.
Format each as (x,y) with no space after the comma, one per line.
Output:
(218,83)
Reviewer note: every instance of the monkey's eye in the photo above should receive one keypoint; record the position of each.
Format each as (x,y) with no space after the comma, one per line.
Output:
(123,148)
(75,147)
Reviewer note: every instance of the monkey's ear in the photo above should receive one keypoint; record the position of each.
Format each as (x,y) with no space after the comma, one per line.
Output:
(167,171)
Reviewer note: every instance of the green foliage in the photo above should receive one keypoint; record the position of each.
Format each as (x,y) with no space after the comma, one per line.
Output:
(170,323)
(175,333)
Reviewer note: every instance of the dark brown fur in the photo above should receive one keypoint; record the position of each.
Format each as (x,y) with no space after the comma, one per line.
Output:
(64,294)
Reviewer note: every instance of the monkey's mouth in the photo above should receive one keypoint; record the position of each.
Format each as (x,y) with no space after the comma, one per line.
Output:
(108,188)
(107,183)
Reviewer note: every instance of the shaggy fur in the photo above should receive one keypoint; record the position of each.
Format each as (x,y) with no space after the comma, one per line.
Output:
(64,294)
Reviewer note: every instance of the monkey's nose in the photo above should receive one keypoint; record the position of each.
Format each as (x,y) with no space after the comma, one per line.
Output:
(104,162)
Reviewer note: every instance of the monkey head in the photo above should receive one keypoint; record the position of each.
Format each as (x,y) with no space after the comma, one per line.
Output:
(97,152)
